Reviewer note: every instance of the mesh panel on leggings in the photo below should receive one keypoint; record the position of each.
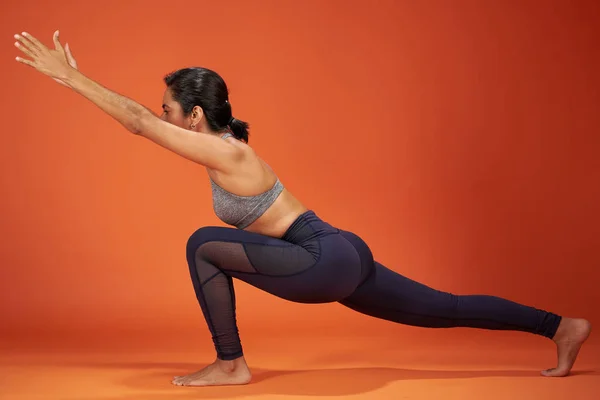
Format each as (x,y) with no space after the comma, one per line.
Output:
(217,293)
(220,309)
(214,259)
(256,258)
(225,256)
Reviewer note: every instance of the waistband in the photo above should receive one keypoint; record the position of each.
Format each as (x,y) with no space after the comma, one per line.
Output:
(308,226)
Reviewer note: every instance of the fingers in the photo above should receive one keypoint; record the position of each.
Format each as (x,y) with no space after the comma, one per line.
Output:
(24,61)
(36,43)
(25,49)
(40,54)
(56,41)
(26,46)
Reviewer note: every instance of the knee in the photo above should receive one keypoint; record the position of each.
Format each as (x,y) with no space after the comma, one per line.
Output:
(452,304)
(199,237)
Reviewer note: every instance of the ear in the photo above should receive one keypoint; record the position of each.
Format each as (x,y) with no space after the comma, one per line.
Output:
(197,114)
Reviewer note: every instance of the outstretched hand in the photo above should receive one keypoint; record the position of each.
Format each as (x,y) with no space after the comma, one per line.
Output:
(55,63)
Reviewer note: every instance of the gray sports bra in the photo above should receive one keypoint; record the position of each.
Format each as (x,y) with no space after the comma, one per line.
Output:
(241,211)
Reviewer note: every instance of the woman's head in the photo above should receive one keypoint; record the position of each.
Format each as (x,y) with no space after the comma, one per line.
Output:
(199,96)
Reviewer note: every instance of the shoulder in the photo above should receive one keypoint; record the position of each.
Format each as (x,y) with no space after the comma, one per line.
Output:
(240,147)
(239,154)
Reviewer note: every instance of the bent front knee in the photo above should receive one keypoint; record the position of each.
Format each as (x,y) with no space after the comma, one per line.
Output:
(201,236)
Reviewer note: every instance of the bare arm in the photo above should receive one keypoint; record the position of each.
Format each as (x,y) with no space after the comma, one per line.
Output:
(202,148)
(126,111)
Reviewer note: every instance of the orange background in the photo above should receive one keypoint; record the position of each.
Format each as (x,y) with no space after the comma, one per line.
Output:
(459,139)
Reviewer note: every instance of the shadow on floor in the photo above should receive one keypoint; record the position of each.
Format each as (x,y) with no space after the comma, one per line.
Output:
(154,380)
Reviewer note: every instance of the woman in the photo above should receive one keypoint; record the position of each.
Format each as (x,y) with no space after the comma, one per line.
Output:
(278,245)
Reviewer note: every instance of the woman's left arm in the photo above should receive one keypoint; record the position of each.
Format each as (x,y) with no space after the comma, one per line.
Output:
(202,148)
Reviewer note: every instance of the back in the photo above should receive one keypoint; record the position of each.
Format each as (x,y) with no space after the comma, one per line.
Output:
(237,200)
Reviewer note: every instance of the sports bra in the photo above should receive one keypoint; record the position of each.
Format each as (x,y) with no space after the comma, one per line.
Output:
(241,211)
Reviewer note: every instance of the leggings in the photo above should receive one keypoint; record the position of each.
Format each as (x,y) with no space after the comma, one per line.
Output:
(315,262)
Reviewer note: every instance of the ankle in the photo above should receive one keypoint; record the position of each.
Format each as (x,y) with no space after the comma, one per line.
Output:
(231,365)
(560,330)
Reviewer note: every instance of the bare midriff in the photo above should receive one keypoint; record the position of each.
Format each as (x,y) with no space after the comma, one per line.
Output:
(278,218)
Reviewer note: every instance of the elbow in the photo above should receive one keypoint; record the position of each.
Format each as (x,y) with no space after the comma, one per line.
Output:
(141,122)
(136,128)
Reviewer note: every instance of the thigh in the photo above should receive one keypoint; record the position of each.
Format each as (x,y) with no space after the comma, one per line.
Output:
(287,270)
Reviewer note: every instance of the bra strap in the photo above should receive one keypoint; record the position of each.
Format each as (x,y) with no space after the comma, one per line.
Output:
(225,136)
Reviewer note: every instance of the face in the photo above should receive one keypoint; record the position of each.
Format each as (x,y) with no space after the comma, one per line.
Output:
(173,113)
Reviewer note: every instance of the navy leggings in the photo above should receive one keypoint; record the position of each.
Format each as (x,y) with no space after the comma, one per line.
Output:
(317,263)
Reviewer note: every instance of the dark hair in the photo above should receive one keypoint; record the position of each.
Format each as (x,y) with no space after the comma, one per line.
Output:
(205,88)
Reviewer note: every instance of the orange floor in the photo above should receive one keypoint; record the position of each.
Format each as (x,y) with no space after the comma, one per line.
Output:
(421,364)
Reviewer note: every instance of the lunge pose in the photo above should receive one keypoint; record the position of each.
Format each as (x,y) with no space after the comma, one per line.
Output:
(274,242)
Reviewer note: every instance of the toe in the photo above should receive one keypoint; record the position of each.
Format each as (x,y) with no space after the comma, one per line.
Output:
(554,372)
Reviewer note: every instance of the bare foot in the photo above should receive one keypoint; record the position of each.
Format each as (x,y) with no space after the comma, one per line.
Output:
(569,337)
(220,372)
